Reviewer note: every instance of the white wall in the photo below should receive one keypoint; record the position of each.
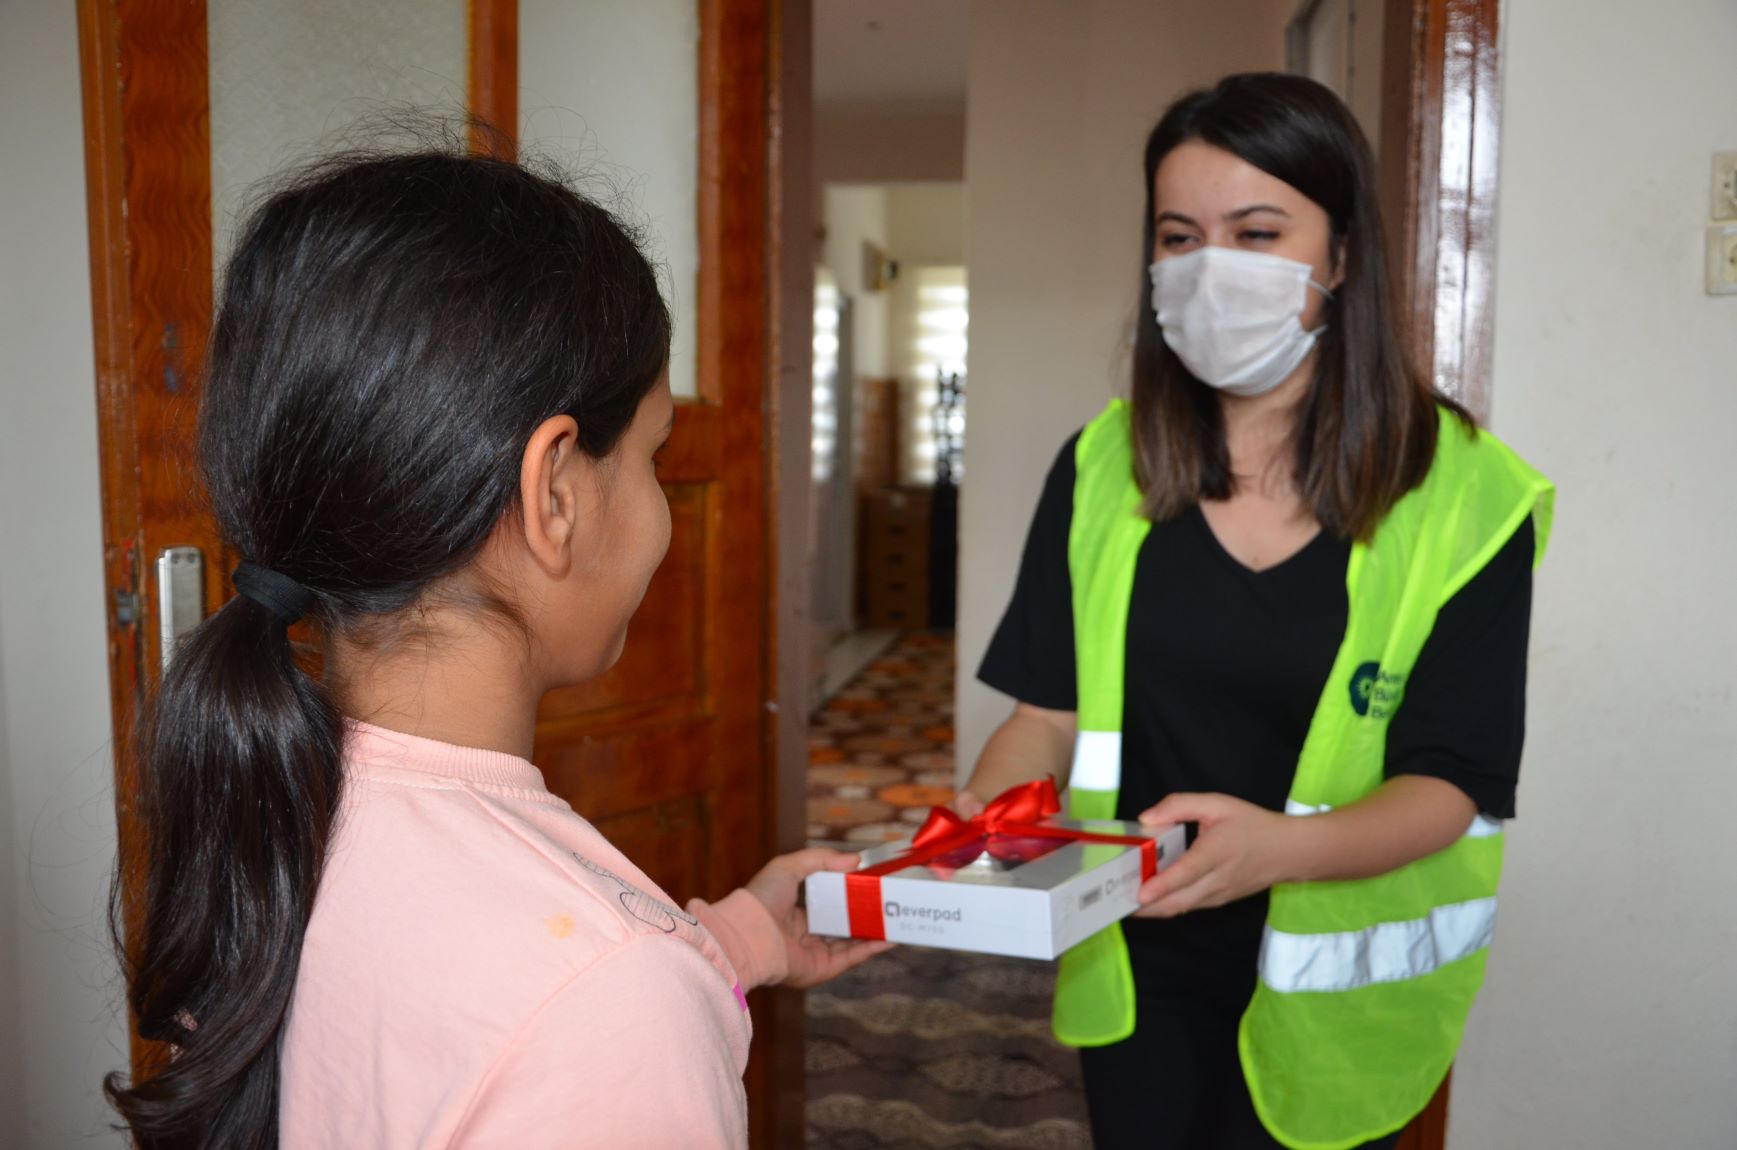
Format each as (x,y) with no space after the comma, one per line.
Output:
(1061,97)
(916,224)
(60,1024)
(611,90)
(11,1049)
(852,215)
(868,146)
(926,232)
(926,223)
(927,333)
(921,225)
(1344,52)
(1610,1014)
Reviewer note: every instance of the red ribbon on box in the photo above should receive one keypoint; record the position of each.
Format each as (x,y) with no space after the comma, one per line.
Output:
(1017,812)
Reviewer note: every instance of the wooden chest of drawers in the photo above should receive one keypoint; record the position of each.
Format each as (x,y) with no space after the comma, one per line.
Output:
(894,554)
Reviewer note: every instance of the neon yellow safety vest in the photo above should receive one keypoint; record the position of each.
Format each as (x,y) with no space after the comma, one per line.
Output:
(1364,985)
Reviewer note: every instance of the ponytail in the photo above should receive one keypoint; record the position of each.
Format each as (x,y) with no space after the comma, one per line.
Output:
(240,779)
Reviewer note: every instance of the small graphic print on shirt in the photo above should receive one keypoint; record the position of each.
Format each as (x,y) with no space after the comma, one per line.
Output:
(1375,692)
(640,905)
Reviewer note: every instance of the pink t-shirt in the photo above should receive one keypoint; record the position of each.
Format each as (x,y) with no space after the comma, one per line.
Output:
(482,969)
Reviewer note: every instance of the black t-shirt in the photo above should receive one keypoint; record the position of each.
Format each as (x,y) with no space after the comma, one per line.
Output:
(1225,667)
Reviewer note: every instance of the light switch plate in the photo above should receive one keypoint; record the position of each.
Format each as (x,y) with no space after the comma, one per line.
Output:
(1722,259)
(1724,186)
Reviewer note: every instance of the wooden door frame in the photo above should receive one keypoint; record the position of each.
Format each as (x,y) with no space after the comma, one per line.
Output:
(737,229)
(492,82)
(1440,129)
(148,204)
(789,389)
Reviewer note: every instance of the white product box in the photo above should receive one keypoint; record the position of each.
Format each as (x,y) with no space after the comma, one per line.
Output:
(1026,897)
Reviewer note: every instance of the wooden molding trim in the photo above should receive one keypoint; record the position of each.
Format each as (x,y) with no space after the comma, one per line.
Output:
(733,353)
(146,97)
(732,321)
(493,89)
(1428,1131)
(1448,53)
(117,452)
(1441,117)
(790,385)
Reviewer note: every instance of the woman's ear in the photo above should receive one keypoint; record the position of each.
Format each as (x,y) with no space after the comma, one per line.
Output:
(549,489)
(1340,250)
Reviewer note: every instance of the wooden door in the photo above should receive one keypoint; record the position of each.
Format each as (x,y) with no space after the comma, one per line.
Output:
(668,754)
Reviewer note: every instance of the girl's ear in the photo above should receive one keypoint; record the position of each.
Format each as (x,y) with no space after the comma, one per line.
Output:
(549,485)
(1339,251)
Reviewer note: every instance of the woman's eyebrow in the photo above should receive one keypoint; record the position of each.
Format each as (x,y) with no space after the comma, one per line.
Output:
(1245,213)
(1233,216)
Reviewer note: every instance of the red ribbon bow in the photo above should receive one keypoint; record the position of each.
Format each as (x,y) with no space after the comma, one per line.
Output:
(1011,812)
(1016,811)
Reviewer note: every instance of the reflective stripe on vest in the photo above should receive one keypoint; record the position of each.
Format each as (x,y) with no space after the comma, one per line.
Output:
(1385,952)
(1364,984)
(1097,761)
(1483,826)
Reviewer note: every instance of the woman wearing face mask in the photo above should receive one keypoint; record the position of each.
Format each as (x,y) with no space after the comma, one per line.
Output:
(1281,595)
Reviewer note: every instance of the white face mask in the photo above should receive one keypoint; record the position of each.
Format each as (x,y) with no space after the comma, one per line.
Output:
(1234,317)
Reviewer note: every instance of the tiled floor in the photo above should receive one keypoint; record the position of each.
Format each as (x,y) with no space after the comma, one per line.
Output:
(881,752)
(922,1049)
(850,656)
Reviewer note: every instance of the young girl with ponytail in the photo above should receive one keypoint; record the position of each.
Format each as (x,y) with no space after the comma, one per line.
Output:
(435,394)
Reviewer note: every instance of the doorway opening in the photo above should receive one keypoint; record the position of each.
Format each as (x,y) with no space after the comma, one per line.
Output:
(938,1047)
(920,1046)
(891,308)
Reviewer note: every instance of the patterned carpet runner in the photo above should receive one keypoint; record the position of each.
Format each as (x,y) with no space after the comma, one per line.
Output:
(922,1049)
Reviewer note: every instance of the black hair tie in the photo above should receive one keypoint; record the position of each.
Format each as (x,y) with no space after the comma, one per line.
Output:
(279,594)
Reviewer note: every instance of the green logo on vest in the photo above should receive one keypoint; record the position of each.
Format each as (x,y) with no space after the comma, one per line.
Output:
(1374,692)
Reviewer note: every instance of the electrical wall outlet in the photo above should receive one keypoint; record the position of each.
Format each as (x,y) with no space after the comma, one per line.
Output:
(1724,186)
(1722,259)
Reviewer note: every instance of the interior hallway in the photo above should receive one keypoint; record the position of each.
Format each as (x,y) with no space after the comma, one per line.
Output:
(922,1049)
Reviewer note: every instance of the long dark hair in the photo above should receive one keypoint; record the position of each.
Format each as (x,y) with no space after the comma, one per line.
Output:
(1366,431)
(392,329)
